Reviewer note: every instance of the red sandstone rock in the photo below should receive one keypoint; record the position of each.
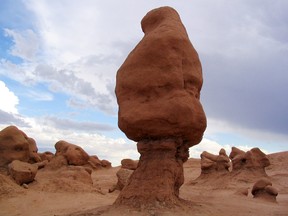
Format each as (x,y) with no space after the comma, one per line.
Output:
(123,176)
(260,184)
(247,168)
(242,191)
(211,163)
(158,86)
(94,162)
(254,159)
(129,164)
(57,162)
(158,91)
(22,172)
(41,164)
(14,145)
(74,154)
(235,151)
(106,164)
(46,156)
(33,151)
(263,189)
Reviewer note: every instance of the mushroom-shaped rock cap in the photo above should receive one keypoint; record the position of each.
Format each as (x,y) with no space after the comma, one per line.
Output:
(263,189)
(158,86)
(260,185)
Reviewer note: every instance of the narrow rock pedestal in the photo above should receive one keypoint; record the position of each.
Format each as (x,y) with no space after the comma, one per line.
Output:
(158,177)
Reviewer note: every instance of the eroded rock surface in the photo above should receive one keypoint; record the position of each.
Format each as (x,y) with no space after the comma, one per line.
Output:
(14,145)
(129,164)
(74,154)
(123,176)
(247,167)
(34,157)
(22,172)
(158,86)
(71,154)
(254,160)
(263,189)
(211,163)
(158,91)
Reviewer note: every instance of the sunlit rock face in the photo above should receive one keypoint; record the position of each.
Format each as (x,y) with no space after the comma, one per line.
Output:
(74,154)
(14,145)
(158,91)
(158,86)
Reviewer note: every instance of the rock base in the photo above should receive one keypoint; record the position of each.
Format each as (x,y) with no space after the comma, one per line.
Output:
(158,177)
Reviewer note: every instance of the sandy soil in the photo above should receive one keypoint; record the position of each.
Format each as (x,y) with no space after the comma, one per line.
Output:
(43,198)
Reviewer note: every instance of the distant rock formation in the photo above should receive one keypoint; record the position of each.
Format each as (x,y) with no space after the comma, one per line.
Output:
(158,91)
(246,168)
(254,159)
(71,154)
(106,164)
(74,154)
(248,165)
(214,163)
(20,159)
(46,156)
(14,145)
(263,189)
(123,174)
(129,164)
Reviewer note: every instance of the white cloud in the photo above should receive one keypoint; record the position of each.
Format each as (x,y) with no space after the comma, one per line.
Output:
(9,100)
(68,124)
(210,146)
(26,43)
(40,95)
(22,73)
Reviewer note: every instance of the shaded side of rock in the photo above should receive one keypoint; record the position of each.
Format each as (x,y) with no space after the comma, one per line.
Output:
(95,162)
(46,156)
(14,145)
(123,176)
(157,178)
(129,164)
(254,160)
(33,151)
(106,164)
(263,189)
(211,163)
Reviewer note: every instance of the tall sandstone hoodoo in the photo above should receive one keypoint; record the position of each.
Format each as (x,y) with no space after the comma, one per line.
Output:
(158,91)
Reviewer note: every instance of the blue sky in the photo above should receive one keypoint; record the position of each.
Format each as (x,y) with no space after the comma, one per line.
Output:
(59,58)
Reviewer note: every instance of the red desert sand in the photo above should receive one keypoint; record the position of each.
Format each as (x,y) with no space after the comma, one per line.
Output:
(67,196)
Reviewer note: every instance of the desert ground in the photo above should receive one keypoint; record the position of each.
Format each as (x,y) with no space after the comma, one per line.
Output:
(213,197)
